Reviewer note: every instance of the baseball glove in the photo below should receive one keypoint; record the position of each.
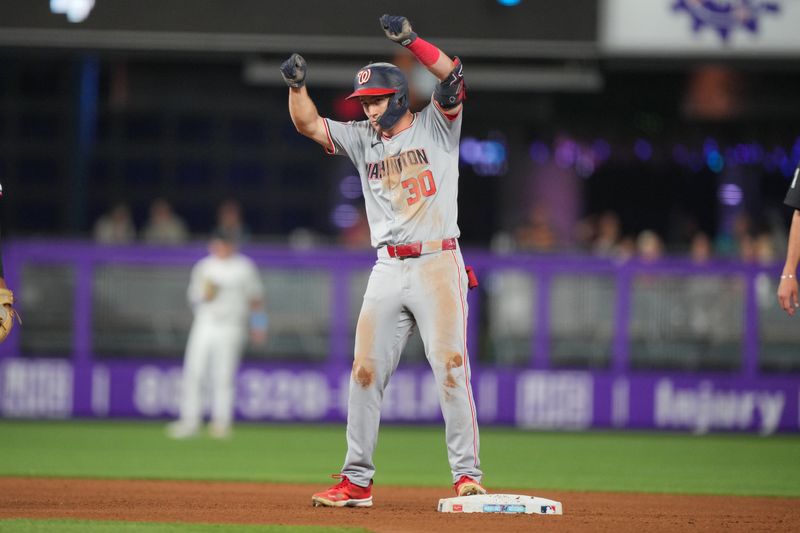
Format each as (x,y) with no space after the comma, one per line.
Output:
(7,313)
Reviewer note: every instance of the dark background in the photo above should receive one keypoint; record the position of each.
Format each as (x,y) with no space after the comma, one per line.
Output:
(569,20)
(90,118)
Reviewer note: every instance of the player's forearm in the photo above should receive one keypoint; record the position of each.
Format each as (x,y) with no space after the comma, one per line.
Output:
(303,111)
(194,294)
(432,58)
(442,68)
(793,249)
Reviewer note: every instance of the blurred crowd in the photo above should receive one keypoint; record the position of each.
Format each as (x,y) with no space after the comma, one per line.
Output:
(163,225)
(603,235)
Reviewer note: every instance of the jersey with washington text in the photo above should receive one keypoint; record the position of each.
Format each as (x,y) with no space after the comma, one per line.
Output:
(793,195)
(410,182)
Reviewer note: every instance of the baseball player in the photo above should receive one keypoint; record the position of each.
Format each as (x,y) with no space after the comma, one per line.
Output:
(408,163)
(787,289)
(226,294)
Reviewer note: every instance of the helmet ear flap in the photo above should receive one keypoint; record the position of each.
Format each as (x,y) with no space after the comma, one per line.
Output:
(396,108)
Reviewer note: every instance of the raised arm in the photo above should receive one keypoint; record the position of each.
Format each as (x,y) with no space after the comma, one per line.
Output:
(450,92)
(304,113)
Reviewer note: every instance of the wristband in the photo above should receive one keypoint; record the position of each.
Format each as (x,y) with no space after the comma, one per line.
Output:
(259,320)
(787,276)
(425,52)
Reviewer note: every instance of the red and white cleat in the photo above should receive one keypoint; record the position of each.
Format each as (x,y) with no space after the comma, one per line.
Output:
(466,486)
(344,494)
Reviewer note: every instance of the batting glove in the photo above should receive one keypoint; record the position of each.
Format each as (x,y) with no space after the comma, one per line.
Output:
(293,71)
(398,29)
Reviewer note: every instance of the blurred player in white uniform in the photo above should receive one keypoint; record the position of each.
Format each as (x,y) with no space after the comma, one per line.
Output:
(226,295)
(408,163)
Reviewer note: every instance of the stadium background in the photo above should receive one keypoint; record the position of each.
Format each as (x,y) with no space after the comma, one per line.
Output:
(622,173)
(623,166)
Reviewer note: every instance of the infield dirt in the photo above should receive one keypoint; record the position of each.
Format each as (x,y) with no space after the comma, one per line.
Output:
(395,509)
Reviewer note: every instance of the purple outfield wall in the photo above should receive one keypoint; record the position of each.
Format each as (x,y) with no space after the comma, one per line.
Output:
(532,397)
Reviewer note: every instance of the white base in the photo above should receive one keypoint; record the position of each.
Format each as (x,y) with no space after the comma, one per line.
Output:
(500,503)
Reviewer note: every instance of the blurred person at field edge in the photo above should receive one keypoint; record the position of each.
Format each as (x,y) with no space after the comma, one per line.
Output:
(625,249)
(537,233)
(230,220)
(115,226)
(700,249)
(164,226)
(227,297)
(702,293)
(787,289)
(608,235)
(649,246)
(738,242)
(585,233)
(764,249)
(757,248)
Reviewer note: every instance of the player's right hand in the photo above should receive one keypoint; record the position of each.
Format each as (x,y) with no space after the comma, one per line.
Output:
(787,296)
(398,29)
(210,290)
(293,71)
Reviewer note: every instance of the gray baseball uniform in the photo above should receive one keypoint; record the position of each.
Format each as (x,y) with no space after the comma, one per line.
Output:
(410,184)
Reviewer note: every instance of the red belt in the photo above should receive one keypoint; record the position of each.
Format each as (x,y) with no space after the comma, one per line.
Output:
(416,249)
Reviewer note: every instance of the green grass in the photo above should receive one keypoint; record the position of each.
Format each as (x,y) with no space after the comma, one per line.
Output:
(593,461)
(92,526)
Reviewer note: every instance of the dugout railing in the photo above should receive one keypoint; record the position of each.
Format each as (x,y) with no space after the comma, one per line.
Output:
(564,316)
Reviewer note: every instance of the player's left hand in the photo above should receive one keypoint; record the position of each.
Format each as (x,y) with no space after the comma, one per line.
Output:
(398,29)
(293,71)
(7,313)
(787,296)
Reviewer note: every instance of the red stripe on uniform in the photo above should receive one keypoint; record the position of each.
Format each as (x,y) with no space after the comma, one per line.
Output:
(332,149)
(466,366)
(447,115)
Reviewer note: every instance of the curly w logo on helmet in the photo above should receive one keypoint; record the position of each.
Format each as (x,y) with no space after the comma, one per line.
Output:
(363,76)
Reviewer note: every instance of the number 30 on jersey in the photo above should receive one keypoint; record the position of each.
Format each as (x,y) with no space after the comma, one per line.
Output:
(419,186)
